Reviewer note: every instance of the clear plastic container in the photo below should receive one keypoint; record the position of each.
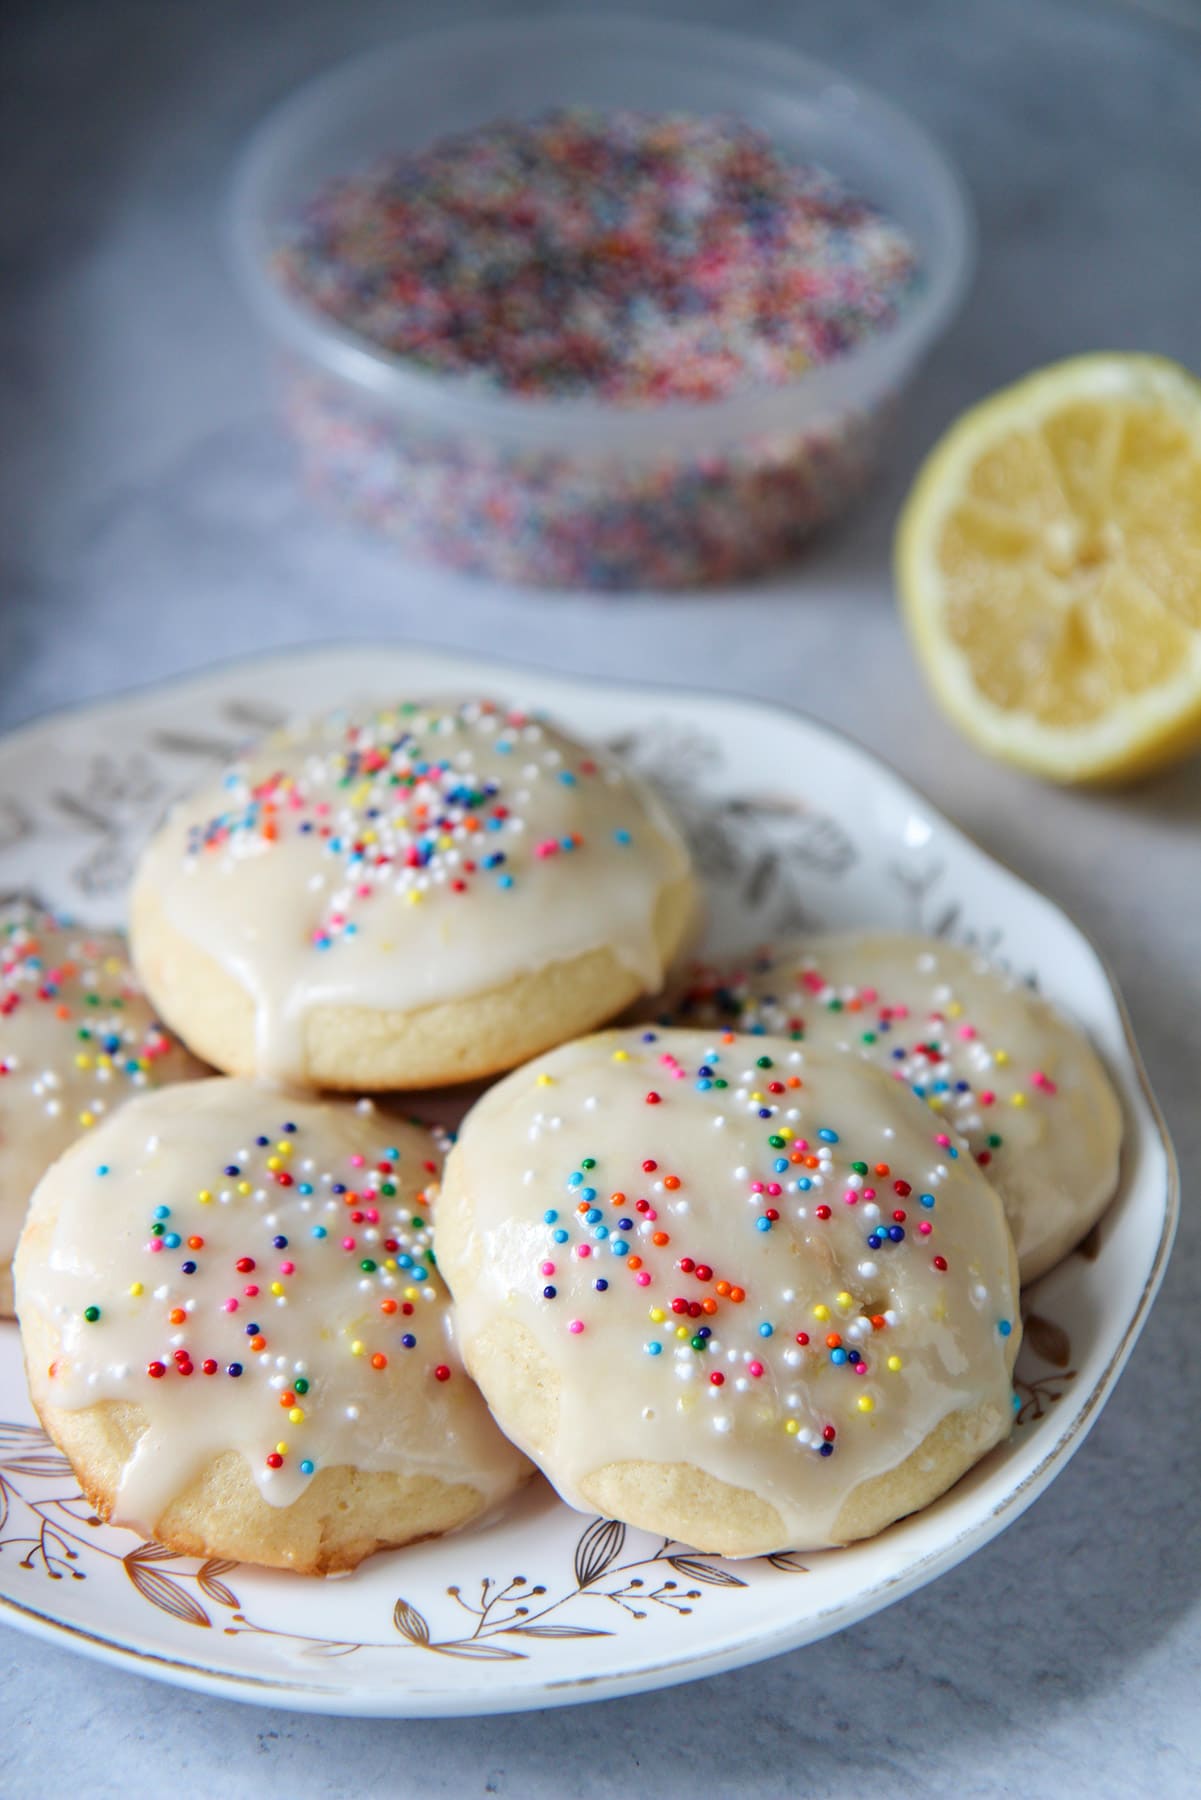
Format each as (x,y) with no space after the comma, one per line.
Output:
(571,491)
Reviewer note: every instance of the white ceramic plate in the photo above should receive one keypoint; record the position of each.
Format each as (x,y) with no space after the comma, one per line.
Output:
(792,826)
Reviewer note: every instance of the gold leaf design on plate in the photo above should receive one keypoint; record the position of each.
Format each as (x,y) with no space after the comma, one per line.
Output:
(45,1465)
(207,1581)
(161,1591)
(600,1545)
(555,1631)
(410,1623)
(151,1552)
(695,1570)
(1048,1340)
(472,1650)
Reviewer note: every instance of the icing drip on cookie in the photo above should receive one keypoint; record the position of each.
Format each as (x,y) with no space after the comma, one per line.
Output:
(256,1274)
(77,1039)
(769,1265)
(414,855)
(985,1053)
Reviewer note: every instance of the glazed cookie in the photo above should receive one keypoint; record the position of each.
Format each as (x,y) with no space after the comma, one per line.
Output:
(234,1329)
(423,894)
(985,1052)
(741,1294)
(77,1038)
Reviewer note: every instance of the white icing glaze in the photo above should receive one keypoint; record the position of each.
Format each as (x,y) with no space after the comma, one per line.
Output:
(415,854)
(283,1250)
(1024,1087)
(519,1175)
(77,1038)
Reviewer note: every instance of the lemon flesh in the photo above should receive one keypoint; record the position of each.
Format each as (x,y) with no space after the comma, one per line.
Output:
(1049,565)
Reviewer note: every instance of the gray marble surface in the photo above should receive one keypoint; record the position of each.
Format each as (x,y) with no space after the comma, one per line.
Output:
(151,523)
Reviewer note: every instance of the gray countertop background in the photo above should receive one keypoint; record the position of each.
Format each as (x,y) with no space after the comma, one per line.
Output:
(151,523)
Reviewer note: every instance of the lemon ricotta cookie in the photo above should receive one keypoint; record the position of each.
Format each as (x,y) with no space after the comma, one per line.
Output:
(742,1294)
(78,1037)
(984,1051)
(424,893)
(234,1328)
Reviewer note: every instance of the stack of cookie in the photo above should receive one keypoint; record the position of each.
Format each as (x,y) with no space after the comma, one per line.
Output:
(744,1274)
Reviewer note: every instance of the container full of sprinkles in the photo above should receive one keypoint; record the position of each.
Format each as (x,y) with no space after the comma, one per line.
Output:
(595,302)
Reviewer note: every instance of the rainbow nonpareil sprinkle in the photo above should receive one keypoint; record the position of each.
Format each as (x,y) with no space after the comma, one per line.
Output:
(632,258)
(626,259)
(404,802)
(936,1051)
(226,1267)
(104,1035)
(711,1319)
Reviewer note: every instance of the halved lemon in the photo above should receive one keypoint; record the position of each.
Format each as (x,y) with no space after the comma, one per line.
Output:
(1049,564)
